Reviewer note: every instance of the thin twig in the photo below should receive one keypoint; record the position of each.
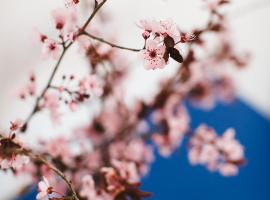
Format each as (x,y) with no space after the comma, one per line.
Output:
(109,43)
(41,159)
(92,15)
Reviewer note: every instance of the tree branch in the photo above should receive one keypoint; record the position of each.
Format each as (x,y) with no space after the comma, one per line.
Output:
(109,43)
(41,159)
(56,67)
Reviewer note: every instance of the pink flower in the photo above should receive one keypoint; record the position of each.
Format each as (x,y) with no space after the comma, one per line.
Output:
(160,28)
(60,17)
(228,169)
(218,153)
(51,49)
(66,22)
(153,55)
(20,161)
(88,188)
(71,3)
(91,84)
(150,25)
(51,102)
(38,36)
(169,27)
(16,125)
(233,149)
(16,162)
(59,148)
(127,170)
(44,189)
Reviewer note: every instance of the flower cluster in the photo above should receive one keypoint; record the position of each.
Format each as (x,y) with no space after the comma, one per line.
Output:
(11,154)
(29,90)
(65,21)
(219,153)
(174,126)
(162,39)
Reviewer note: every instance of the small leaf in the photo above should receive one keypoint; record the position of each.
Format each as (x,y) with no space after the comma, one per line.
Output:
(175,54)
(169,41)
(166,56)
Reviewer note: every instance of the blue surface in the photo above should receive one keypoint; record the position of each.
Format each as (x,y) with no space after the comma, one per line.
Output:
(175,179)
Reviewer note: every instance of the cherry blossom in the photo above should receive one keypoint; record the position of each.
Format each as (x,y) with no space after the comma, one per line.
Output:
(51,49)
(16,162)
(224,154)
(169,27)
(88,188)
(29,90)
(44,189)
(91,84)
(153,55)
(16,125)
(51,102)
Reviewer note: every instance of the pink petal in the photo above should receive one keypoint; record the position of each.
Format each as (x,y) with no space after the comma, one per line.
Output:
(41,195)
(42,186)
(46,181)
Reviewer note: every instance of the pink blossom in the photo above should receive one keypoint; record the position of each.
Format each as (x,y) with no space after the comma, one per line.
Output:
(233,149)
(127,170)
(59,148)
(153,55)
(44,189)
(51,49)
(218,153)
(91,84)
(60,17)
(88,188)
(228,169)
(16,162)
(16,125)
(170,28)
(71,3)
(176,125)
(51,102)
(38,36)
(66,22)
(112,179)
(160,28)
(150,25)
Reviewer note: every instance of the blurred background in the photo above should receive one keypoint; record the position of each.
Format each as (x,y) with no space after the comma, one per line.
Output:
(250,114)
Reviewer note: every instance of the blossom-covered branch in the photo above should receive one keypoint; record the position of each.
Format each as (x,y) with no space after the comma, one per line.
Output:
(106,158)
(66,45)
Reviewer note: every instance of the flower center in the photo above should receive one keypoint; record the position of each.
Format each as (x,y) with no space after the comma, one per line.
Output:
(52,47)
(153,54)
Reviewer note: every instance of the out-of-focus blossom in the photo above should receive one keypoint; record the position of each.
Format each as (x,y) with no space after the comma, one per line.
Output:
(88,188)
(16,125)
(51,102)
(91,84)
(219,153)
(16,162)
